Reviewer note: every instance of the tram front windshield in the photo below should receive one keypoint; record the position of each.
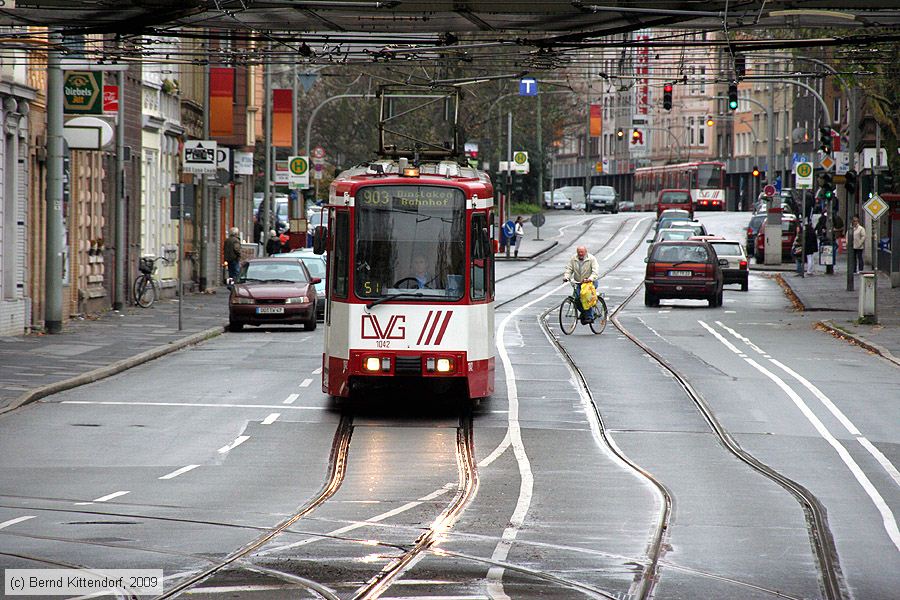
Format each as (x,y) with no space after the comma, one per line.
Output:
(410,240)
(709,177)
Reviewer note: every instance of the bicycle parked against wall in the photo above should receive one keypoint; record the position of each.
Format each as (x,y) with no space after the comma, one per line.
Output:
(145,289)
(570,313)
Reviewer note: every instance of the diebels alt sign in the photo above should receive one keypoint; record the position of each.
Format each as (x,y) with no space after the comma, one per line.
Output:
(83,93)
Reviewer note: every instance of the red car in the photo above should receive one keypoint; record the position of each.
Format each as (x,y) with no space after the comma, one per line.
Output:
(680,199)
(689,269)
(273,291)
(789,225)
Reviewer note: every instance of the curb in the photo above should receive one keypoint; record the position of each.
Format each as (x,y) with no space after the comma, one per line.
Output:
(502,257)
(111,369)
(837,332)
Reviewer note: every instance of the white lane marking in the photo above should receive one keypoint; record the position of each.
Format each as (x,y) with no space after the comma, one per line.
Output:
(290,399)
(237,442)
(625,239)
(6,524)
(830,405)
(358,524)
(498,451)
(270,419)
(317,371)
(178,472)
(193,404)
(887,517)
(103,498)
(305,382)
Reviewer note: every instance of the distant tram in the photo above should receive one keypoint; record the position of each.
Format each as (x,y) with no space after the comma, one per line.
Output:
(410,285)
(705,180)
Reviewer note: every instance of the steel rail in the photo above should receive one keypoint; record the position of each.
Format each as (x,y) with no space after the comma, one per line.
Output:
(821,539)
(656,547)
(336,471)
(467,487)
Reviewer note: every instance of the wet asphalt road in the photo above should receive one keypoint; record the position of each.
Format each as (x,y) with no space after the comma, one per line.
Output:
(180,462)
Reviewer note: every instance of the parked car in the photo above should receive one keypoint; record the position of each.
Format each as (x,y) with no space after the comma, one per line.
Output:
(626,206)
(738,269)
(568,197)
(316,220)
(316,265)
(603,197)
(789,224)
(674,199)
(688,269)
(752,229)
(696,227)
(273,291)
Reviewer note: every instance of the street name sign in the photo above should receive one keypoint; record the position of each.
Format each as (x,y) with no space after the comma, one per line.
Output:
(199,157)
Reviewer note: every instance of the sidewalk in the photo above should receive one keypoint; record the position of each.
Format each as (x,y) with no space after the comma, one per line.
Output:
(827,294)
(36,365)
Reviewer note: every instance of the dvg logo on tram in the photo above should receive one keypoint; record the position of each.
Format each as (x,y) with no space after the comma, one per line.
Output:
(372,330)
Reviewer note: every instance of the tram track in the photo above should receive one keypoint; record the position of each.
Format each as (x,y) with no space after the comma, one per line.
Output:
(821,539)
(336,472)
(467,487)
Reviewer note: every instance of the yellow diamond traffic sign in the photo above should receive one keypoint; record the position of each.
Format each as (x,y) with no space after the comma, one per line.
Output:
(875,207)
(827,163)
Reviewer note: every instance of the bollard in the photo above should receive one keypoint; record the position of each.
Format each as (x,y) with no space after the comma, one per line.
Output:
(867,298)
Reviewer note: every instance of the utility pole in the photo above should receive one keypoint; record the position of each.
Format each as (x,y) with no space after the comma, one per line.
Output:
(850,201)
(267,147)
(587,145)
(54,193)
(119,297)
(540,154)
(204,189)
(508,173)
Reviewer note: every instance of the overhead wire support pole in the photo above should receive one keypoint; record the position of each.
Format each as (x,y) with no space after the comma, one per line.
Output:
(267,147)
(204,188)
(54,193)
(119,298)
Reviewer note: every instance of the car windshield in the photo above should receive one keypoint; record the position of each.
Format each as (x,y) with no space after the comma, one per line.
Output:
(275,272)
(410,237)
(727,249)
(675,234)
(680,253)
(675,197)
(315,265)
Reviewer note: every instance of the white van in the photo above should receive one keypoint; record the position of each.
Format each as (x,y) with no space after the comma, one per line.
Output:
(568,197)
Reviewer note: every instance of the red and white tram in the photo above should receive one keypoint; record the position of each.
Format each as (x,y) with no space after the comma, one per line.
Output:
(705,180)
(410,277)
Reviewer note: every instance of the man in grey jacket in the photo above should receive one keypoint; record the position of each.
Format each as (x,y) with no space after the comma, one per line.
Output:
(232,252)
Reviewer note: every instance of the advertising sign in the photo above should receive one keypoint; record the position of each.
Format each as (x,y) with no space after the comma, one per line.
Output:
(243,163)
(199,157)
(110,99)
(83,93)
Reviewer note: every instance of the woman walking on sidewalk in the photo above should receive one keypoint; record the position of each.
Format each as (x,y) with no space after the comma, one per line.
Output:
(810,247)
(519,234)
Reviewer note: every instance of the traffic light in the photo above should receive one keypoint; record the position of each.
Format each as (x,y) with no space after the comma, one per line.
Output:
(755,172)
(850,181)
(620,134)
(732,96)
(710,121)
(667,96)
(827,185)
(825,140)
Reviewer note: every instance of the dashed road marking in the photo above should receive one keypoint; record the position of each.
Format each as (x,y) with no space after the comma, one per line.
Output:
(270,419)
(237,442)
(178,472)
(103,498)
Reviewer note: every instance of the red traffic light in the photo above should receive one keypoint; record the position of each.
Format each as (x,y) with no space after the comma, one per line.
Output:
(667,88)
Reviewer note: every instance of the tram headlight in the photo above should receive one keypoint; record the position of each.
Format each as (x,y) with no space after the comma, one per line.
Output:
(444,365)
(377,363)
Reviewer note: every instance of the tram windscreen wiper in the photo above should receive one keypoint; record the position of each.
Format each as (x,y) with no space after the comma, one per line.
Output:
(392,296)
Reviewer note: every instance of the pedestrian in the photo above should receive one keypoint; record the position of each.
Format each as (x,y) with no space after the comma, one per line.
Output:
(810,247)
(232,253)
(858,242)
(797,249)
(285,240)
(273,244)
(520,233)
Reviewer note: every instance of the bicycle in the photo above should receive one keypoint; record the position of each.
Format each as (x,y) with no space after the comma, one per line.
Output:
(569,313)
(145,289)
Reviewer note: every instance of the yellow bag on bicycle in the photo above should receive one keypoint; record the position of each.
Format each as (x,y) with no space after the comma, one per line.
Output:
(588,295)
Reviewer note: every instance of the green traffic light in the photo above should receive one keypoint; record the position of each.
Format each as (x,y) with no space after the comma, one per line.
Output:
(733,104)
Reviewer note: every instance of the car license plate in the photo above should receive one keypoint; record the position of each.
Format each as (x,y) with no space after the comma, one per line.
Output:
(680,273)
(261,310)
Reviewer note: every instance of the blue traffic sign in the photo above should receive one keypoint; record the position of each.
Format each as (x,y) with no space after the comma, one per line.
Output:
(528,86)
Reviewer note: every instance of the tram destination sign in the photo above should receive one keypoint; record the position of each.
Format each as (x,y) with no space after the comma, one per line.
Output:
(401,197)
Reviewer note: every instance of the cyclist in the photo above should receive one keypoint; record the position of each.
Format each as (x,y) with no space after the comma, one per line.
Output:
(582,268)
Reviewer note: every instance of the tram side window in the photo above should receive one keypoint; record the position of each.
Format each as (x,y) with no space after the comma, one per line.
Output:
(340,254)
(480,259)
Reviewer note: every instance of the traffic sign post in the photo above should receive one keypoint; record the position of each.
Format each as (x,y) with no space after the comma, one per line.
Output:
(537,220)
